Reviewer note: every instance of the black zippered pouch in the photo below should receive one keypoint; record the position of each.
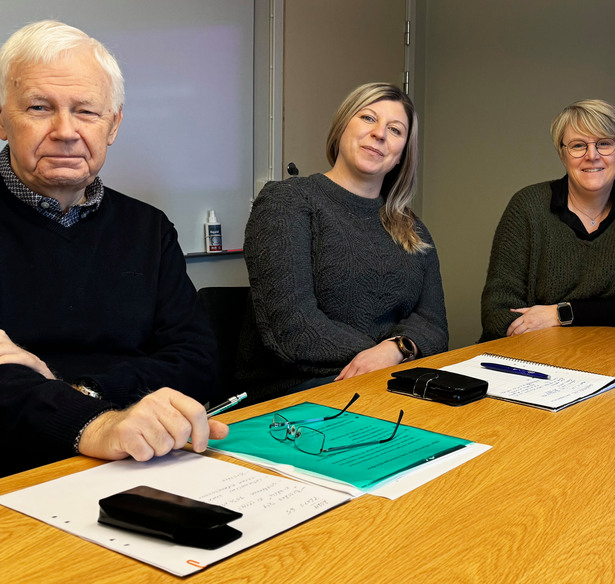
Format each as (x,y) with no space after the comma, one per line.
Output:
(166,515)
(436,385)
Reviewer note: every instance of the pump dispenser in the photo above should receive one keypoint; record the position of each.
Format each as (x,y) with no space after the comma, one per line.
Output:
(213,233)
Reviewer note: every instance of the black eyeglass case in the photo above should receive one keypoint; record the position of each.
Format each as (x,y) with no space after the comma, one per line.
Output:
(179,519)
(436,385)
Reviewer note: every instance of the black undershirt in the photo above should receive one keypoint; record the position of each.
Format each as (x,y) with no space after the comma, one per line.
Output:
(591,311)
(559,206)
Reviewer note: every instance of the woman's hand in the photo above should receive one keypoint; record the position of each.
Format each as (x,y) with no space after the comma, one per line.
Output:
(384,354)
(533,318)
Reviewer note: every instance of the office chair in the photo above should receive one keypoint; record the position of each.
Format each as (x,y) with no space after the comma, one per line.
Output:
(225,308)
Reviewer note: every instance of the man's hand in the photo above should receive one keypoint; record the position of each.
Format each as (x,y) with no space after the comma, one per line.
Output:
(533,318)
(384,354)
(12,353)
(162,421)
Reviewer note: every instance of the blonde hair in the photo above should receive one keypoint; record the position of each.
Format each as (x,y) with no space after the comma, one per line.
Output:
(399,185)
(45,41)
(588,116)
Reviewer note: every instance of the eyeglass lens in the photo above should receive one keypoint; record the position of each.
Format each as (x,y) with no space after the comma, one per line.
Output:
(280,429)
(309,440)
(306,439)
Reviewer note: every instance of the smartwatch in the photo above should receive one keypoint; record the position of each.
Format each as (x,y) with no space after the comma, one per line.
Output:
(564,313)
(405,346)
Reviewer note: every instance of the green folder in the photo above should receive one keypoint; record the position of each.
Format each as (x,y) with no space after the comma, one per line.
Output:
(362,467)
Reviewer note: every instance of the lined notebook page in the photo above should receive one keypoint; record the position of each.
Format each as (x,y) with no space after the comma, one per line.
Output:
(564,388)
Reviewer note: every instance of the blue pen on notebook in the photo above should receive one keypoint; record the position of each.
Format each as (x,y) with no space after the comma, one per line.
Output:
(514,370)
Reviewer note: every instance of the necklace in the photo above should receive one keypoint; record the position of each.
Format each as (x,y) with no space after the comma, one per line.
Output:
(592,220)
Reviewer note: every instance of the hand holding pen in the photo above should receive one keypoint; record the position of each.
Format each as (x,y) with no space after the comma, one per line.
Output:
(155,425)
(229,403)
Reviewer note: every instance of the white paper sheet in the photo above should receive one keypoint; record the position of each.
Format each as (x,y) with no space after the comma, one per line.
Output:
(391,489)
(270,504)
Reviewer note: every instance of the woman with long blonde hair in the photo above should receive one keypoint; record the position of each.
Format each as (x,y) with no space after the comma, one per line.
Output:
(344,277)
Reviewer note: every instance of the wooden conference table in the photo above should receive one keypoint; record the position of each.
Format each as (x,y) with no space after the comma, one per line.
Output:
(538,507)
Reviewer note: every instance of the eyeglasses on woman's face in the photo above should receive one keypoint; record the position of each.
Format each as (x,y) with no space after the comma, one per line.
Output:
(578,148)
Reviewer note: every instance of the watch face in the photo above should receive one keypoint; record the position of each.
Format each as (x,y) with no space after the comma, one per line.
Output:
(407,343)
(564,313)
(405,346)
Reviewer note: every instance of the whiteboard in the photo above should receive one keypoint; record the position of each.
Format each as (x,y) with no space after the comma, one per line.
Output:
(186,142)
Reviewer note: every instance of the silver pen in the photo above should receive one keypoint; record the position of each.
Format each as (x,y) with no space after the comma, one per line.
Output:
(229,403)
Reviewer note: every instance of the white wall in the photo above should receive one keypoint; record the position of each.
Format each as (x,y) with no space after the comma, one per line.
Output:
(268,72)
(495,75)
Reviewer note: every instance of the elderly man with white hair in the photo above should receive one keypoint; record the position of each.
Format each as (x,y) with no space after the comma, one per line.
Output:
(104,350)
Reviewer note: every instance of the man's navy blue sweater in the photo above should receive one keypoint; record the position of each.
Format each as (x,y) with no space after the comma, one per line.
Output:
(107,299)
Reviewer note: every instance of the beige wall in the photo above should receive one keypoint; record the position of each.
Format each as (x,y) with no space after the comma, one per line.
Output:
(496,73)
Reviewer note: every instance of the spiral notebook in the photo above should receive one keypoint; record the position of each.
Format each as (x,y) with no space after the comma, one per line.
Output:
(564,387)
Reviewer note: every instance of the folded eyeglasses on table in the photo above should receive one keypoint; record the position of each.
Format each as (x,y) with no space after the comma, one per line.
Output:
(312,441)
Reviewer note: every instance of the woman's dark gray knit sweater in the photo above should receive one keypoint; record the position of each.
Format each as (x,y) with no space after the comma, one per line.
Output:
(327,281)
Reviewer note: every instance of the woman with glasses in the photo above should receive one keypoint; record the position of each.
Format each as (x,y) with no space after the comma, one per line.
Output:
(344,277)
(553,256)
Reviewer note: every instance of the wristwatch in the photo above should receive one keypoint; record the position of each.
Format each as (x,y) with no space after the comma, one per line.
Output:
(406,348)
(88,387)
(564,313)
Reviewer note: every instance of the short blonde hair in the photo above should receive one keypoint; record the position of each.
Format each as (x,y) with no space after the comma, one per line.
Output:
(588,116)
(44,41)
(399,185)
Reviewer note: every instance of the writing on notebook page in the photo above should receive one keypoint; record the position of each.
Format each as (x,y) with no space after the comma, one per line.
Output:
(564,387)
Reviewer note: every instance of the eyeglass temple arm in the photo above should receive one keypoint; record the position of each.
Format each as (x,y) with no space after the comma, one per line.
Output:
(332,449)
(355,397)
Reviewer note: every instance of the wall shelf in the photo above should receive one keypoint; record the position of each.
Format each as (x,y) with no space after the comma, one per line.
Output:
(204,254)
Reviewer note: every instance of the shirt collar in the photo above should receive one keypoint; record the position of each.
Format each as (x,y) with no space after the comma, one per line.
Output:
(93,192)
(559,195)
